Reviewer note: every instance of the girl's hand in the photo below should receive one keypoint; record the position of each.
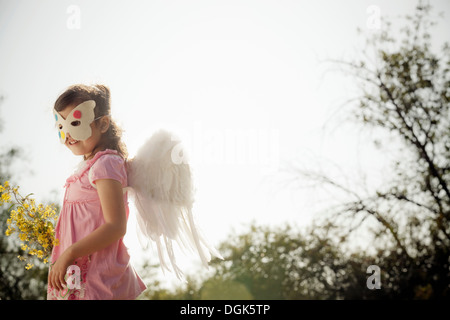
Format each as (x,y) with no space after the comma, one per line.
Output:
(58,271)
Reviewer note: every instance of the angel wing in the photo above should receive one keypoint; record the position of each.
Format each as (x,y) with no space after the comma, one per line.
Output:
(162,189)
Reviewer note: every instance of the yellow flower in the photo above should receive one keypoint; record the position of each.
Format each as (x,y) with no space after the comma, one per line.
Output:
(33,223)
(6,197)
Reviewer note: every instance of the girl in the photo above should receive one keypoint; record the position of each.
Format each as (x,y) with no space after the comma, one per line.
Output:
(94,214)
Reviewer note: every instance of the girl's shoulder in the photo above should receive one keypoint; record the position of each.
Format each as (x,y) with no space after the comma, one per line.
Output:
(109,160)
(108,164)
(105,154)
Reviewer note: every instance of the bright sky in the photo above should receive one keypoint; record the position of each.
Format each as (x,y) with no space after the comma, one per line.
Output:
(227,76)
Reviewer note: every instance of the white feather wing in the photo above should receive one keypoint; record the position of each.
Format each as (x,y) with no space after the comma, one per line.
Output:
(162,188)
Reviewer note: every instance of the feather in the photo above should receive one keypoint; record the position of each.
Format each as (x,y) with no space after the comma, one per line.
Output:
(162,188)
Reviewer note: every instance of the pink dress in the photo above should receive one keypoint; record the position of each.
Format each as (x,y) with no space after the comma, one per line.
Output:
(105,274)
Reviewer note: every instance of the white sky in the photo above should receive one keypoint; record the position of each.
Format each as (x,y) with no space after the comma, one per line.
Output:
(204,69)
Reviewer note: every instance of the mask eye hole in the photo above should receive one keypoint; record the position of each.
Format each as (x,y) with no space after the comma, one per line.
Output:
(75,123)
(60,126)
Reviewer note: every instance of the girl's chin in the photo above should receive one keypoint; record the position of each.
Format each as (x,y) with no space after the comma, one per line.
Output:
(77,152)
(76,149)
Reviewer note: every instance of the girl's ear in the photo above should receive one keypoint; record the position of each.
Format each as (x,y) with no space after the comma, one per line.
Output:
(104,124)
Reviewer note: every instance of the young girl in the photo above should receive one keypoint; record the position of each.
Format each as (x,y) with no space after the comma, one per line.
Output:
(94,214)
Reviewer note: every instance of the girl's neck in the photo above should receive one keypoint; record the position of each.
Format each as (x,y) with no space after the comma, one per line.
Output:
(92,154)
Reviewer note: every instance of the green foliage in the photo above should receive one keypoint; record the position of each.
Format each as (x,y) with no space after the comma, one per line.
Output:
(278,263)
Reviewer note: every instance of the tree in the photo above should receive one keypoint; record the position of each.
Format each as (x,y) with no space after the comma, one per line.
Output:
(405,92)
(279,263)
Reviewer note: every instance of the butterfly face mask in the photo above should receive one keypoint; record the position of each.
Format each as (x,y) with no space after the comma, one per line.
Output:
(77,123)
